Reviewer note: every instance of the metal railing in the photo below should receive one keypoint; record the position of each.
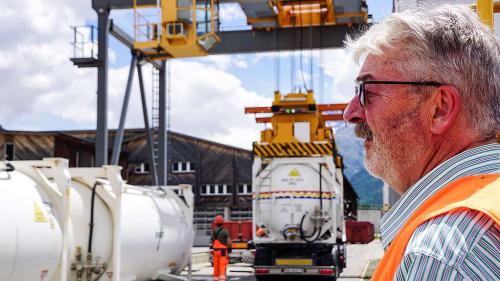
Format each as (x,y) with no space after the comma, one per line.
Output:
(84,43)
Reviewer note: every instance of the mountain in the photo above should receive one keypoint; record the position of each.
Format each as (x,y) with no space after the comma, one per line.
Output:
(368,188)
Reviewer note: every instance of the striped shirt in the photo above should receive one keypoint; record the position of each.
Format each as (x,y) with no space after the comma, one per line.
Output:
(462,245)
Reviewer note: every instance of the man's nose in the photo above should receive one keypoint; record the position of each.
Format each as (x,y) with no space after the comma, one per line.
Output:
(354,112)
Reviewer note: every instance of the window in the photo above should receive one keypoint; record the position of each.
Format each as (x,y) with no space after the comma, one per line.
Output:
(216,189)
(175,167)
(183,167)
(244,188)
(9,150)
(220,189)
(205,189)
(142,168)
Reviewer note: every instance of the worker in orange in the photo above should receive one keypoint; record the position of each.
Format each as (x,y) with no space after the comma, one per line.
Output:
(221,245)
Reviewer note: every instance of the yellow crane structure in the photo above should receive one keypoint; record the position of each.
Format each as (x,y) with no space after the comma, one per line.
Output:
(189,28)
(298,127)
(186,28)
(486,10)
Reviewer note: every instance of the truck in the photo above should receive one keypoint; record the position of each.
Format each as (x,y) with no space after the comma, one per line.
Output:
(297,179)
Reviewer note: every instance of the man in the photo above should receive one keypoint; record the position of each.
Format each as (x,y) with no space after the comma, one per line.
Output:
(220,242)
(427,104)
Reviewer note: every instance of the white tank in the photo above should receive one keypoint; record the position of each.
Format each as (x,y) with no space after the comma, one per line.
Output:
(287,203)
(138,233)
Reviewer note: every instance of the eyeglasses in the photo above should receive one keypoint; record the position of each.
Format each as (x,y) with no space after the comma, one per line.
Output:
(359,89)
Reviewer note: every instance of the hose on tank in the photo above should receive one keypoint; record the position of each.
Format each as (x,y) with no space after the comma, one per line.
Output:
(301,229)
(304,237)
(320,188)
(91,223)
(8,167)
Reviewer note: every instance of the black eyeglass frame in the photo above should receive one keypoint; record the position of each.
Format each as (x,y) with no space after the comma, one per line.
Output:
(359,88)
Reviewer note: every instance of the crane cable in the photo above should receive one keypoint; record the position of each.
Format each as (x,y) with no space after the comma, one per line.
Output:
(301,32)
(292,56)
(320,70)
(276,61)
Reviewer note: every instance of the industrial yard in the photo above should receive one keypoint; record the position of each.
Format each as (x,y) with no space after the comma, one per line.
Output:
(126,152)
(360,257)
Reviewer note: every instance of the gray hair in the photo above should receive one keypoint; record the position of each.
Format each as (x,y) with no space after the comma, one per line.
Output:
(449,45)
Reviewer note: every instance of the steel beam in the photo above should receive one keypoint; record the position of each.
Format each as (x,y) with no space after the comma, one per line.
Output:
(126,40)
(121,128)
(119,4)
(101,148)
(162,130)
(250,41)
(151,158)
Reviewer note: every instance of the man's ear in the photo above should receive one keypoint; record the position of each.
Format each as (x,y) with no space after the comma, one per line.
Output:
(446,106)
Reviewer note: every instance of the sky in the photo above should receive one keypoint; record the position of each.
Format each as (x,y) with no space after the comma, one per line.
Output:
(41,89)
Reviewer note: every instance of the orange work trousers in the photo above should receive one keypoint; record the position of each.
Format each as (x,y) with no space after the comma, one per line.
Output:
(220,261)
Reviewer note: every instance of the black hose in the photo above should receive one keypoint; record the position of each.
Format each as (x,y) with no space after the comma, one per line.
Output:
(304,237)
(301,229)
(91,223)
(320,189)
(8,167)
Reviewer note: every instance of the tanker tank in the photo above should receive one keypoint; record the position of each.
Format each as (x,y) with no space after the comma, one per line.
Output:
(71,224)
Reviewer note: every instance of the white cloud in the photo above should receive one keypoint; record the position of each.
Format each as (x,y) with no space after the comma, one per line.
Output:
(340,70)
(35,52)
(212,105)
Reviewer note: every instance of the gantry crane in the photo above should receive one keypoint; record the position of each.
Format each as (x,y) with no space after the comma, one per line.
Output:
(188,28)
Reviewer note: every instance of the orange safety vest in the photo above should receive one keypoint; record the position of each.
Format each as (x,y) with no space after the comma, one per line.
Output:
(480,193)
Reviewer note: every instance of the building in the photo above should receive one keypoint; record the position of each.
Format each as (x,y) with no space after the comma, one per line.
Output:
(221,175)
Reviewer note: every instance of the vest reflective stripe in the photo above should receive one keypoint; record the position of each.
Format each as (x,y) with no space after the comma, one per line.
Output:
(480,193)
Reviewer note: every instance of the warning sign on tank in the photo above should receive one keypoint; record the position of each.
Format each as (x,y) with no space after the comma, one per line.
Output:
(293,178)
(294,173)
(39,215)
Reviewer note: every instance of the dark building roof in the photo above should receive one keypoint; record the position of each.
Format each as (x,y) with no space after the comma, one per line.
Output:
(88,136)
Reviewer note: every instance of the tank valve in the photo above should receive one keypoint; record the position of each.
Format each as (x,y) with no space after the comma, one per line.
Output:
(91,268)
(291,232)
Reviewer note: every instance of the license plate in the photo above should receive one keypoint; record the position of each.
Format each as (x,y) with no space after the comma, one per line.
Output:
(293,262)
(293,270)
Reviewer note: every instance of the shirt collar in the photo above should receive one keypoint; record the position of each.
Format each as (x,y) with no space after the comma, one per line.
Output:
(483,159)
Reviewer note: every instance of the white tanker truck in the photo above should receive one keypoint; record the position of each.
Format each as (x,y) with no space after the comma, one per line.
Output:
(86,224)
(298,216)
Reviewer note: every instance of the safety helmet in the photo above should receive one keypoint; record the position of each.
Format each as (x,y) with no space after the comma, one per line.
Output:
(219,220)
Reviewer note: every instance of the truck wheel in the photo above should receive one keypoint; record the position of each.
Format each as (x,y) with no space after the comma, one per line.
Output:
(263,278)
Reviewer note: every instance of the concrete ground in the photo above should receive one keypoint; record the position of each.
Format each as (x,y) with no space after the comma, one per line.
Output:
(358,261)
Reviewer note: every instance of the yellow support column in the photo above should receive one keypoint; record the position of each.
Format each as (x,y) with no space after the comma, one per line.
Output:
(484,9)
